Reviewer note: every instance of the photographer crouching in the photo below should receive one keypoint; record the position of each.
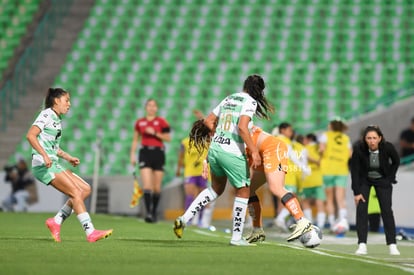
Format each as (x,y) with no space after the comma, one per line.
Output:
(23,186)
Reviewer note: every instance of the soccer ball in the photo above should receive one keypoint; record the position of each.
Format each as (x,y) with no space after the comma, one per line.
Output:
(312,238)
(341,227)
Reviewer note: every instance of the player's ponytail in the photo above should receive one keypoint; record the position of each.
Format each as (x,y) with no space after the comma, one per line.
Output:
(200,136)
(52,94)
(254,86)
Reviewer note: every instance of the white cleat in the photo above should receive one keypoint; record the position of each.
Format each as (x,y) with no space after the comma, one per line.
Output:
(256,236)
(362,249)
(301,227)
(241,242)
(394,250)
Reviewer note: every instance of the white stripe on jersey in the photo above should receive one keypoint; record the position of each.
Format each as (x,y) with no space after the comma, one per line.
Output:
(227,137)
(49,138)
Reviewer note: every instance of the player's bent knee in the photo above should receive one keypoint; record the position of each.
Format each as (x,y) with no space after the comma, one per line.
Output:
(86,192)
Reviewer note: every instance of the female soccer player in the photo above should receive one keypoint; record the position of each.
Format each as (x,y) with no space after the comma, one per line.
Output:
(336,150)
(297,167)
(312,185)
(275,155)
(44,137)
(153,131)
(192,162)
(226,155)
(374,163)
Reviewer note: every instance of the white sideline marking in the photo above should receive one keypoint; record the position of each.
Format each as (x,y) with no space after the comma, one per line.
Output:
(326,252)
(355,258)
(205,233)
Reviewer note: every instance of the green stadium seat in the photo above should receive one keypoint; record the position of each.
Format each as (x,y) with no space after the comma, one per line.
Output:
(14,19)
(319,59)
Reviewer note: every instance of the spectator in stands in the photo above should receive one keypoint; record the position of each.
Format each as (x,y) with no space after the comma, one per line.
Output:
(152,130)
(374,163)
(407,140)
(336,148)
(44,136)
(23,186)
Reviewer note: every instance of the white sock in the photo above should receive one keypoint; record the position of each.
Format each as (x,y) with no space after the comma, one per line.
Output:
(63,214)
(320,219)
(239,214)
(207,215)
(206,196)
(86,223)
(343,213)
(195,219)
(331,219)
(308,213)
(283,214)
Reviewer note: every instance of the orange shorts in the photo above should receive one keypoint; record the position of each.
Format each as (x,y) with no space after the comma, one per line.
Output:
(274,153)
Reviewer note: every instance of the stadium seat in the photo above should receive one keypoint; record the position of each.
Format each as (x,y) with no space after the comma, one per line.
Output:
(318,59)
(15,16)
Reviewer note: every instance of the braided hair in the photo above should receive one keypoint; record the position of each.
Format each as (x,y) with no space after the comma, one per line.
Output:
(254,86)
(52,94)
(200,136)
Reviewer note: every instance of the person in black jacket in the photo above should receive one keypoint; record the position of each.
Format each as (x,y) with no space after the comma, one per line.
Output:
(374,162)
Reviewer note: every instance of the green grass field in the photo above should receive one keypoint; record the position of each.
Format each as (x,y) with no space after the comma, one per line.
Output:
(139,248)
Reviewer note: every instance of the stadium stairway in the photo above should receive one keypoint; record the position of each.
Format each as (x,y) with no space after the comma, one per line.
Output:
(53,60)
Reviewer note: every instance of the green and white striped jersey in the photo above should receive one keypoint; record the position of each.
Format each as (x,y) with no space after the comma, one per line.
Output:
(227,138)
(50,126)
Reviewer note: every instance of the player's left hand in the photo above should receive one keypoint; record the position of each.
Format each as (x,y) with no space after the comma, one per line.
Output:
(74,161)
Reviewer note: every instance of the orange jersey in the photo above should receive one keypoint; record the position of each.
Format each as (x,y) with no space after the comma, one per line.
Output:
(272,150)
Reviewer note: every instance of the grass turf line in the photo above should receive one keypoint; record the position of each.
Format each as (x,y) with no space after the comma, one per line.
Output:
(26,247)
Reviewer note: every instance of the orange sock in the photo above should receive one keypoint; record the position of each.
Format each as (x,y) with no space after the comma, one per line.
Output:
(292,204)
(255,211)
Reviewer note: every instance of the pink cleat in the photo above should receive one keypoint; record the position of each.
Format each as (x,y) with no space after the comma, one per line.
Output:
(54,229)
(97,235)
